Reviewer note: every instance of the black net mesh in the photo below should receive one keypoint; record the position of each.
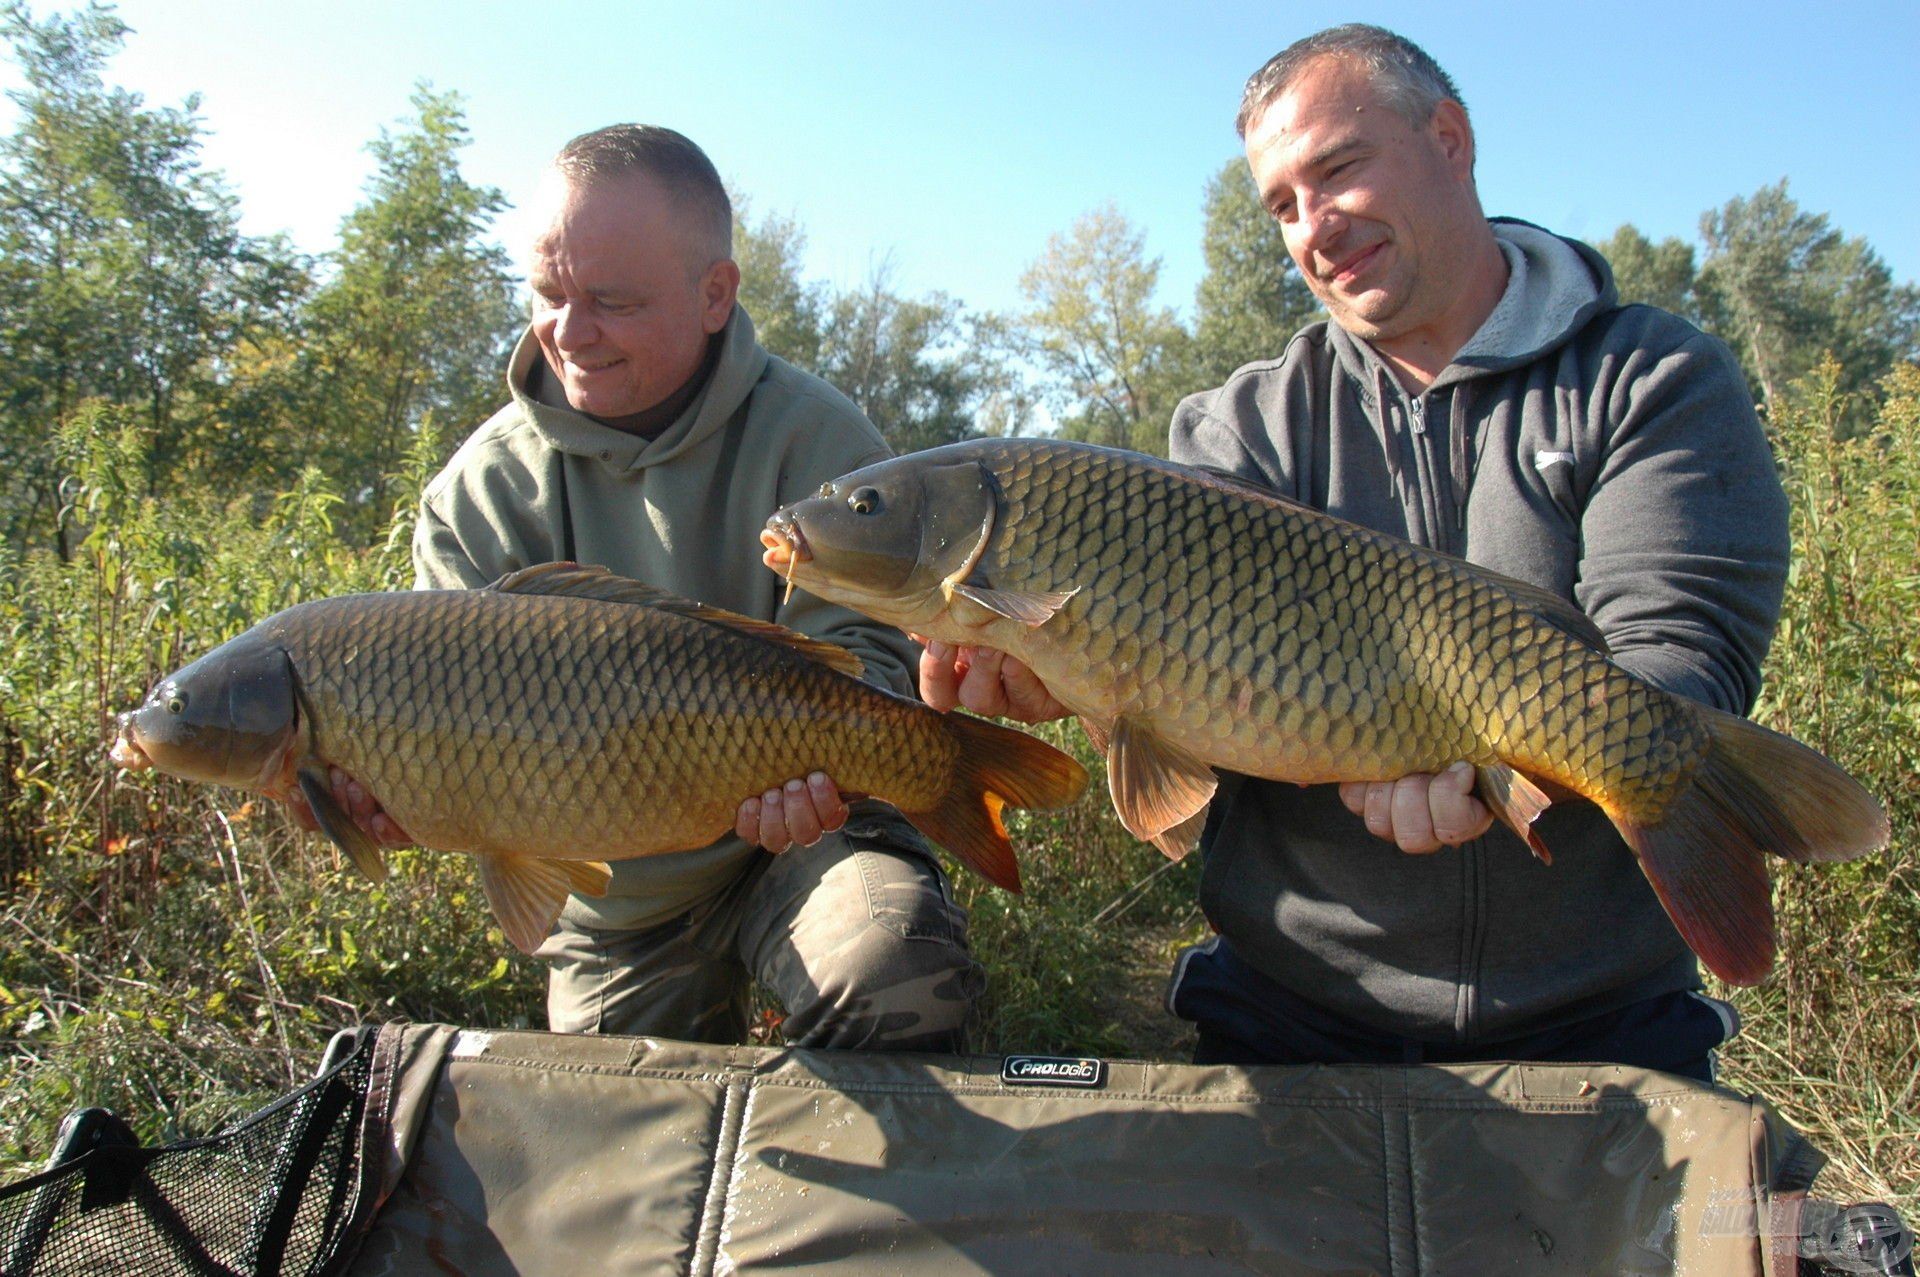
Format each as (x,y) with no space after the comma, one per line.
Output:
(273,1194)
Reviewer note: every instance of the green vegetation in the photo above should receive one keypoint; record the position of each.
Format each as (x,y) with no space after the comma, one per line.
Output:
(197,429)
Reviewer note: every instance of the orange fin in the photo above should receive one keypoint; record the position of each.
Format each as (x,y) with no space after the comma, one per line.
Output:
(1518,802)
(1176,842)
(598,583)
(1097,733)
(1755,792)
(998,768)
(1156,785)
(1030,608)
(360,849)
(527,894)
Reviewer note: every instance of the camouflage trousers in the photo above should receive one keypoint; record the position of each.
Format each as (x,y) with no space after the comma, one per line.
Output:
(861,944)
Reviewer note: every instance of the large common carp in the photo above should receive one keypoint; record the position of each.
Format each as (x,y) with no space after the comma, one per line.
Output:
(1192,620)
(563,717)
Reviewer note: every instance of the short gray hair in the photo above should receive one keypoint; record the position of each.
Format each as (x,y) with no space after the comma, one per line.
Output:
(669,158)
(1409,81)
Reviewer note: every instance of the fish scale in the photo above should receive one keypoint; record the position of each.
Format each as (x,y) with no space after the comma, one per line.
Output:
(1194,621)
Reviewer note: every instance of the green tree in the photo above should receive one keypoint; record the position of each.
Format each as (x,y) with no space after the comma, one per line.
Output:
(1252,300)
(415,314)
(1784,287)
(1112,360)
(907,362)
(1657,274)
(122,274)
(787,310)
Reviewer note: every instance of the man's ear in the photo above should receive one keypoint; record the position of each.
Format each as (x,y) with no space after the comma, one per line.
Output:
(718,288)
(1454,136)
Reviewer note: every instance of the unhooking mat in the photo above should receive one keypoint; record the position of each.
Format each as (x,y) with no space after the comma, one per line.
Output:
(528,1153)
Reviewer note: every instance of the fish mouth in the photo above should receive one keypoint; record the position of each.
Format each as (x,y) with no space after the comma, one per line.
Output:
(127,751)
(786,548)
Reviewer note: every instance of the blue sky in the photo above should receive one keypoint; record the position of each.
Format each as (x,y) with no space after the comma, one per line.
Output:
(957,138)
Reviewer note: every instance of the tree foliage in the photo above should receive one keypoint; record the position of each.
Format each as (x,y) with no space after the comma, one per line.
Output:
(1785,288)
(787,309)
(1654,274)
(415,314)
(1111,352)
(123,277)
(904,361)
(1252,300)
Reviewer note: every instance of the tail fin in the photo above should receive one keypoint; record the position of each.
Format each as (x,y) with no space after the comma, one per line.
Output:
(998,767)
(1756,792)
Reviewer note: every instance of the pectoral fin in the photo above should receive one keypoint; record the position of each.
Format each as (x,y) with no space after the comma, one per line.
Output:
(341,831)
(1517,802)
(1157,786)
(1034,608)
(527,894)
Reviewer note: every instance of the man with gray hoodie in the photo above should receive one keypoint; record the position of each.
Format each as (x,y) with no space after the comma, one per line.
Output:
(1477,388)
(648,431)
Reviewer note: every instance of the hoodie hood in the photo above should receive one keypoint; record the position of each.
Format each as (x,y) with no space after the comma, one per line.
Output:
(735,373)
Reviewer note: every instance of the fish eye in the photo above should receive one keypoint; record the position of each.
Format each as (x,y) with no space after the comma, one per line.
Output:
(864,501)
(177,703)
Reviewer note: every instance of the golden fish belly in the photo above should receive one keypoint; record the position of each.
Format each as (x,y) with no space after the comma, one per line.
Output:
(573,729)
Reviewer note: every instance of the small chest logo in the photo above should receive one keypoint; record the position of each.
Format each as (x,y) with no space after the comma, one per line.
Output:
(1053,1070)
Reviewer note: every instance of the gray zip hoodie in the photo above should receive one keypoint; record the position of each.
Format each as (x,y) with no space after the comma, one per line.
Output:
(1608,453)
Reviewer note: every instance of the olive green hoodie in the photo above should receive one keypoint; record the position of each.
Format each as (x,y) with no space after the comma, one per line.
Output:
(540,482)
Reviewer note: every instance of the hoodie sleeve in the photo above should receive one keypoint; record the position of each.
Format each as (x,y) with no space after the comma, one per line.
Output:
(1684,535)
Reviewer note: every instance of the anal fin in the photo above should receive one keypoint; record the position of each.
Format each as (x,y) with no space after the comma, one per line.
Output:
(1517,802)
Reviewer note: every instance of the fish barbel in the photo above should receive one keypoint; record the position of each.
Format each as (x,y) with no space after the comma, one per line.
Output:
(564,717)
(1191,620)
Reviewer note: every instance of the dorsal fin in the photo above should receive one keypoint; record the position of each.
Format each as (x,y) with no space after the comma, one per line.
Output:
(598,583)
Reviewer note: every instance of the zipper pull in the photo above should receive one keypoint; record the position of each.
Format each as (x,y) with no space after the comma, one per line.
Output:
(1418,406)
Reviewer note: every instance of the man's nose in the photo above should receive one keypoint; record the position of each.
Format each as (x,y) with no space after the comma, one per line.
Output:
(1321,223)
(574,327)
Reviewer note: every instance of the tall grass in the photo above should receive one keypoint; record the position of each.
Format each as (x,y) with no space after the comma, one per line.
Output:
(1833,1038)
(179,954)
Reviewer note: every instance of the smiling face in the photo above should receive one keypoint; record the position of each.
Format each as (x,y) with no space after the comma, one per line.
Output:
(625,293)
(1380,215)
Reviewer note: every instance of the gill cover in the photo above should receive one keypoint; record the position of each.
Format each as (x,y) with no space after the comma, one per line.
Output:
(226,718)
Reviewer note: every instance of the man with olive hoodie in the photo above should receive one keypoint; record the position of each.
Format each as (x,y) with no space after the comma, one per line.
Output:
(649,432)
(1478,388)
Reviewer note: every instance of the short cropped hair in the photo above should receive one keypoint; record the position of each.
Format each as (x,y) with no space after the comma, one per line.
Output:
(667,157)
(1409,81)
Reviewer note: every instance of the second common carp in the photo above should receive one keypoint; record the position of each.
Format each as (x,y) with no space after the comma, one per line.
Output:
(1192,620)
(564,717)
